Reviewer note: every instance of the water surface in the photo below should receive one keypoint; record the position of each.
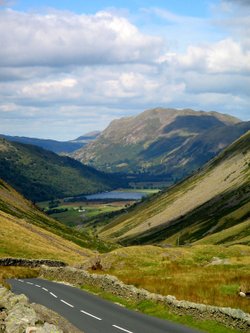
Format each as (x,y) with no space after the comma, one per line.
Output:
(116,195)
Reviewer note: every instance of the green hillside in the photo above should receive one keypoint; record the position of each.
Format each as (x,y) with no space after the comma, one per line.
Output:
(22,221)
(213,206)
(28,233)
(164,143)
(42,175)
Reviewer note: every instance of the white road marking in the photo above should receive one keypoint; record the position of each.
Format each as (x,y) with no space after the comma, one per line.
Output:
(45,289)
(30,283)
(53,295)
(89,314)
(37,285)
(72,306)
(122,329)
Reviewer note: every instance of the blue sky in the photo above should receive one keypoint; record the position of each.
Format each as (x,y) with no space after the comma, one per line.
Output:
(191,8)
(69,67)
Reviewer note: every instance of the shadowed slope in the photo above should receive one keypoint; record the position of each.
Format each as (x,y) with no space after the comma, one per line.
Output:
(42,175)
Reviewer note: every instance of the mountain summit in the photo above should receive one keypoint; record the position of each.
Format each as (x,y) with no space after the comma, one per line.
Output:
(166,142)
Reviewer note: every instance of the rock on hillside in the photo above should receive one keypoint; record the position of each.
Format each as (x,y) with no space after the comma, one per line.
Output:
(167,142)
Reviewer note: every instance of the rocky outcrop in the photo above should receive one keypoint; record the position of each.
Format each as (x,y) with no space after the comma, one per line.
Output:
(31,262)
(233,318)
(18,316)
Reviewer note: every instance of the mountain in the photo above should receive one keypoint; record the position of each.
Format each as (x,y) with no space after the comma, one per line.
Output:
(212,206)
(26,232)
(43,175)
(167,143)
(86,138)
(53,145)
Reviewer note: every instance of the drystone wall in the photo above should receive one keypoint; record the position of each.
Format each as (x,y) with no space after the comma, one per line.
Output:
(30,262)
(18,315)
(233,318)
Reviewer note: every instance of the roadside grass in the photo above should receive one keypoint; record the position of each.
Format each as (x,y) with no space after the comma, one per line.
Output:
(12,272)
(163,312)
(186,273)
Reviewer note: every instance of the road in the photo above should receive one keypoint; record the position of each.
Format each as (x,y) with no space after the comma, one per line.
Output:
(89,312)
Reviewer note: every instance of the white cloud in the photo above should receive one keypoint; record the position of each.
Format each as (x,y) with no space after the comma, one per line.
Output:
(62,38)
(49,88)
(8,107)
(226,56)
(64,74)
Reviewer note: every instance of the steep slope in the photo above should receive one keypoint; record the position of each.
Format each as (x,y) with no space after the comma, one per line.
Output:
(35,227)
(42,175)
(26,232)
(167,142)
(214,200)
(53,145)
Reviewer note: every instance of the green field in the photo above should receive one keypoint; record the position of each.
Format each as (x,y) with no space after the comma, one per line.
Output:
(77,213)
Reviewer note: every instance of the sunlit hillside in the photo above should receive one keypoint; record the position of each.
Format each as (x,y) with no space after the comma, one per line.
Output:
(211,202)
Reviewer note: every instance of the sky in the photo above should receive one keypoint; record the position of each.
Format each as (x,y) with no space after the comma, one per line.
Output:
(71,67)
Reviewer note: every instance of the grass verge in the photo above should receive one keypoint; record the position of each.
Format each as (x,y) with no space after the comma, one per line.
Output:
(12,272)
(162,312)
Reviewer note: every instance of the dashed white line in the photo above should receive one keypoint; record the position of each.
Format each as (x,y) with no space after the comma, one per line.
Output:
(72,306)
(122,329)
(89,314)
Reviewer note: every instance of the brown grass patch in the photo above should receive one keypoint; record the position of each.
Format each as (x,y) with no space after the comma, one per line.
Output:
(16,272)
(186,273)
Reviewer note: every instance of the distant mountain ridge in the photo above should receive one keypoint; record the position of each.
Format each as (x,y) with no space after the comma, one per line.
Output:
(87,137)
(54,145)
(43,175)
(210,207)
(162,142)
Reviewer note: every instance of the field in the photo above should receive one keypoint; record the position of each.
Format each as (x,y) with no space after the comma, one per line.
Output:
(203,274)
(77,213)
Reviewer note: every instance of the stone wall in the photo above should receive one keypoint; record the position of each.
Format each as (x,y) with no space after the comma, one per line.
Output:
(30,262)
(18,315)
(233,318)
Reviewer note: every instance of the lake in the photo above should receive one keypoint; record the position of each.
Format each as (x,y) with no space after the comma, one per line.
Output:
(117,195)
